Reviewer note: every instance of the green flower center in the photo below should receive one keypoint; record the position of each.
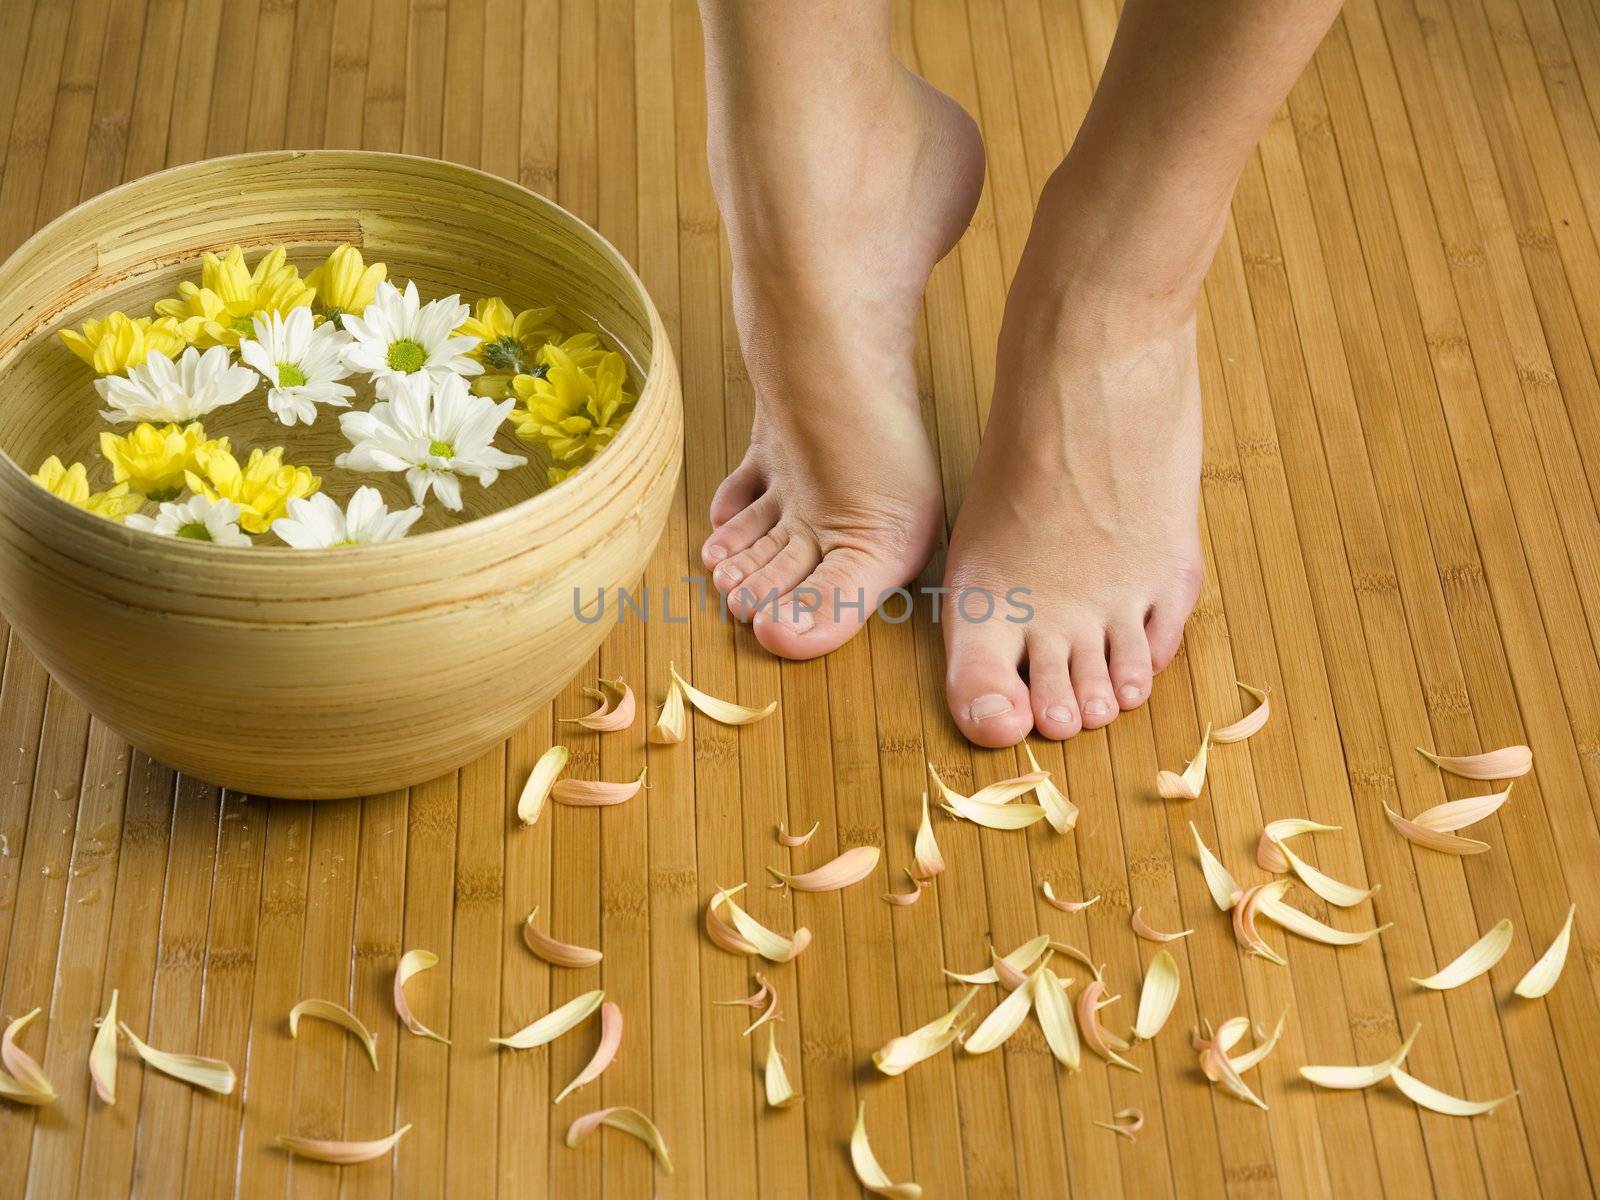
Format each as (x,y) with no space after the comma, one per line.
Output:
(504,354)
(290,375)
(335,317)
(541,371)
(195,531)
(407,356)
(245,324)
(161,495)
(441,449)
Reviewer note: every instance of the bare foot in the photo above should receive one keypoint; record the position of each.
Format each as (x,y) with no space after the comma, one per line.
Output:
(1084,493)
(836,216)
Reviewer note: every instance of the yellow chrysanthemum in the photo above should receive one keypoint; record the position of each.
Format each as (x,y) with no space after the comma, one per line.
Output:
(119,341)
(262,488)
(573,411)
(508,343)
(155,460)
(345,283)
(219,309)
(72,485)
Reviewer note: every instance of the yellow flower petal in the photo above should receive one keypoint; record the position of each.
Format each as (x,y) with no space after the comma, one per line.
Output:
(1172,786)
(1268,856)
(595,793)
(337,1014)
(413,962)
(610,1041)
(1066,906)
(1542,976)
(554,1023)
(670,728)
(103,1054)
(1344,895)
(900,1054)
(797,839)
(1222,886)
(1473,961)
(1055,1017)
(540,780)
(1421,835)
(342,1153)
(854,865)
(927,859)
(630,1121)
(1058,810)
(780,1092)
(1157,996)
(1250,723)
(210,1073)
(1441,1102)
(1355,1078)
(725,711)
(1023,957)
(560,954)
(868,1172)
(1506,763)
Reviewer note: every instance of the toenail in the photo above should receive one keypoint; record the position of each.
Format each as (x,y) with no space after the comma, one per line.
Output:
(992,705)
(717,553)
(728,573)
(1130,694)
(800,622)
(1097,708)
(1060,714)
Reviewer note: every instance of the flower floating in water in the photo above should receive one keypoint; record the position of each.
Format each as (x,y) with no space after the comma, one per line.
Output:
(508,343)
(198,518)
(573,411)
(154,461)
(164,390)
(302,364)
(119,341)
(345,284)
(397,337)
(72,485)
(221,309)
(435,434)
(261,489)
(316,523)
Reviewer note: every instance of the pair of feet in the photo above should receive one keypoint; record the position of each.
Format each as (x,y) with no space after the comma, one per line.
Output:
(1080,515)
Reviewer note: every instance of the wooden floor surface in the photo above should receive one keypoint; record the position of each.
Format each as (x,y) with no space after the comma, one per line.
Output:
(1399,345)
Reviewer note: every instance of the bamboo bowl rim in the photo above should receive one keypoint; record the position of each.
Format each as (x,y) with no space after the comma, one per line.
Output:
(608,463)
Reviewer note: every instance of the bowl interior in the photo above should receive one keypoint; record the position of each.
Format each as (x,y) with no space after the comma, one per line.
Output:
(450,229)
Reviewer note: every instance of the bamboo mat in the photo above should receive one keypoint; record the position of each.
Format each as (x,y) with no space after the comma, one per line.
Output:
(1399,343)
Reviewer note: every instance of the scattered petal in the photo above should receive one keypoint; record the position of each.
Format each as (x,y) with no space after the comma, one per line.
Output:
(1023,957)
(719,931)
(1217,1067)
(1268,856)
(610,1040)
(904,1052)
(1099,1039)
(1221,884)
(1542,976)
(1471,962)
(1009,977)
(629,1121)
(1143,929)
(338,1014)
(555,1023)
(560,954)
(1125,1122)
(1003,1020)
(1355,1078)
(343,1153)
(1505,763)
(928,861)
(1458,814)
(1172,786)
(797,839)
(413,962)
(1250,723)
(1244,1062)
(1058,810)
(673,723)
(780,1092)
(870,1174)
(725,711)
(1157,996)
(1420,835)
(1074,953)
(1055,1017)
(595,793)
(904,899)
(103,1054)
(1066,906)
(25,1072)
(752,933)
(1441,1102)
(606,719)
(210,1073)
(1291,918)
(1000,793)
(1344,895)
(854,865)
(992,816)
(1245,912)
(540,780)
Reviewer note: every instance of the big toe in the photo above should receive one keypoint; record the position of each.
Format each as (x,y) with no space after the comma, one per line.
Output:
(983,686)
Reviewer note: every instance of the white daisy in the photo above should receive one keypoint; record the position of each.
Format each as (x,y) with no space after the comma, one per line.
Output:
(162,391)
(316,523)
(302,363)
(434,434)
(197,518)
(397,336)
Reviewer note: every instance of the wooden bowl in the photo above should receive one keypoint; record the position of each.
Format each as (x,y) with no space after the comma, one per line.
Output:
(322,673)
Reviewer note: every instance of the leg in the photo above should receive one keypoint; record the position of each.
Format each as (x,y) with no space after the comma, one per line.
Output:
(842,178)
(1087,481)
